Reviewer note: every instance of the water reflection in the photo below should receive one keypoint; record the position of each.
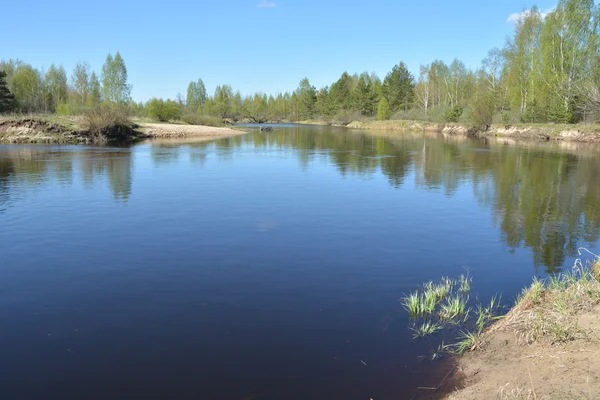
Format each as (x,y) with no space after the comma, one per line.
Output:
(23,168)
(541,197)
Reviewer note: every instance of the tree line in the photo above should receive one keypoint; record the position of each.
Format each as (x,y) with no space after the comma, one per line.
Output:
(26,89)
(547,71)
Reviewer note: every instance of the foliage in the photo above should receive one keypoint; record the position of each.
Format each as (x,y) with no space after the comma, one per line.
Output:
(398,87)
(206,120)
(453,114)
(105,118)
(196,96)
(383,109)
(63,109)
(163,110)
(7,99)
(114,80)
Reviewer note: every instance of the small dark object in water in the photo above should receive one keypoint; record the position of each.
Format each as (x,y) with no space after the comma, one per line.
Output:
(266,128)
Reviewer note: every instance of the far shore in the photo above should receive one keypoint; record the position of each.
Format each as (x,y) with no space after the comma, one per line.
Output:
(588,133)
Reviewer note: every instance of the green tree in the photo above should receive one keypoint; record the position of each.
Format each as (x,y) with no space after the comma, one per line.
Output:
(398,88)
(7,99)
(196,95)
(307,99)
(80,82)
(383,109)
(115,88)
(223,100)
(27,88)
(162,110)
(94,90)
(55,83)
(340,93)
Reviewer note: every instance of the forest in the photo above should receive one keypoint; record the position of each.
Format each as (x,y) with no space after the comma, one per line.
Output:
(548,71)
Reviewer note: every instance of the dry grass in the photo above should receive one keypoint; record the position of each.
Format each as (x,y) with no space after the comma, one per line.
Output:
(548,309)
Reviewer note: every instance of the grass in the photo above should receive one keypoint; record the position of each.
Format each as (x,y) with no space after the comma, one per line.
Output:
(425,329)
(466,341)
(548,309)
(464,282)
(424,301)
(454,307)
(545,310)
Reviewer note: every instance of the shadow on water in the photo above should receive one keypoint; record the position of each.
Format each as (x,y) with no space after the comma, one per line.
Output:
(267,265)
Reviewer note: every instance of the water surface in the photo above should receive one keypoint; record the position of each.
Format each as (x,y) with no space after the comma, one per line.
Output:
(269,265)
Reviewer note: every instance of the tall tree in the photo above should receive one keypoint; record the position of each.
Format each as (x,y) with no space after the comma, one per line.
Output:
(80,82)
(398,88)
(27,88)
(196,95)
(95,91)
(114,80)
(307,99)
(7,99)
(223,100)
(55,83)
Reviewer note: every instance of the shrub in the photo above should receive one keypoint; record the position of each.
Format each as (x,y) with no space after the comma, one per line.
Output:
(63,109)
(206,120)
(453,114)
(104,119)
(344,117)
(163,111)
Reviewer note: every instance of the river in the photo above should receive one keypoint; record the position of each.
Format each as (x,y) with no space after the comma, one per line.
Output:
(268,265)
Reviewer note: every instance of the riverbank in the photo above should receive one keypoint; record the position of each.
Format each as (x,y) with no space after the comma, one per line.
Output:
(546,347)
(577,133)
(73,130)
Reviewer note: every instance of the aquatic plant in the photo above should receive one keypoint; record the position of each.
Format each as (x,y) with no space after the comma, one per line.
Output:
(413,303)
(466,341)
(425,329)
(454,307)
(464,282)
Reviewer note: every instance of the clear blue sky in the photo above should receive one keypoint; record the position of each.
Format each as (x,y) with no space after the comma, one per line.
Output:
(266,45)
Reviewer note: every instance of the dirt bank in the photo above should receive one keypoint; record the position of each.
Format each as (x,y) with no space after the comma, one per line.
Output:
(545,132)
(61,130)
(546,347)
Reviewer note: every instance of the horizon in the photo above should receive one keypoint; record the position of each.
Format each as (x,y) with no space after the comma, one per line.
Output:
(271,59)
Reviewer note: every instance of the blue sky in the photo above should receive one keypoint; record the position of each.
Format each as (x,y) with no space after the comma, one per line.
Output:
(266,45)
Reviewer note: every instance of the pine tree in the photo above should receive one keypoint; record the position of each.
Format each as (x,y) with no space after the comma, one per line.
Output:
(7,99)
(398,88)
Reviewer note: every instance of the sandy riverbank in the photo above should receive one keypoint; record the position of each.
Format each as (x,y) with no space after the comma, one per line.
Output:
(546,347)
(71,130)
(172,131)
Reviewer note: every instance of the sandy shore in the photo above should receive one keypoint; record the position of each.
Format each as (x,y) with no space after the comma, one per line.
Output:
(168,131)
(546,347)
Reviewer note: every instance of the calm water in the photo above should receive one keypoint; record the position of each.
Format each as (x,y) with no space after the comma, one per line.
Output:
(265,266)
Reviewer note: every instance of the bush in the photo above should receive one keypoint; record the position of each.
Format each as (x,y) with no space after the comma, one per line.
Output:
(344,117)
(163,111)
(63,109)
(206,120)
(105,119)
(453,114)
(434,114)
